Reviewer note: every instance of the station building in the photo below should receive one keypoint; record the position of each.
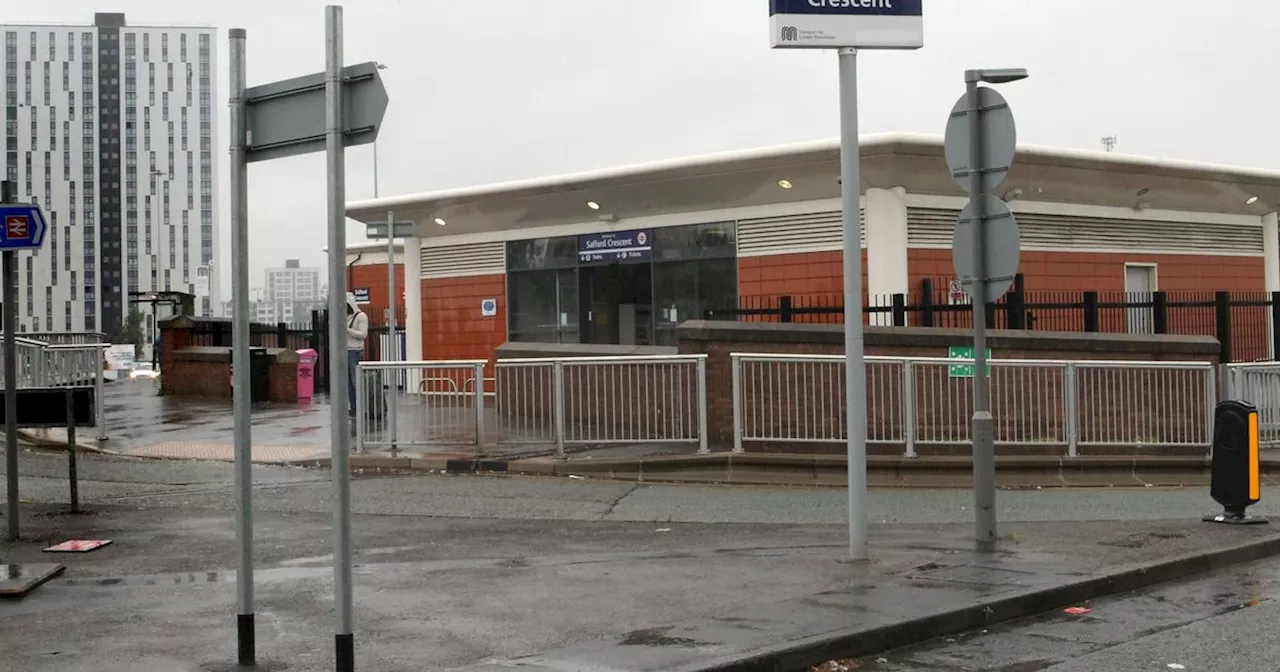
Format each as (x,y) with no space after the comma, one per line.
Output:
(621,256)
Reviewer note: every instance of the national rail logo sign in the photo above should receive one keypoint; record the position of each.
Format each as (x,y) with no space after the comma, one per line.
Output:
(833,24)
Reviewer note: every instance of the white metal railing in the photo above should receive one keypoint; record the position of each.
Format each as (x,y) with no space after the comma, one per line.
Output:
(43,365)
(31,363)
(1258,383)
(67,337)
(429,403)
(913,401)
(78,365)
(602,400)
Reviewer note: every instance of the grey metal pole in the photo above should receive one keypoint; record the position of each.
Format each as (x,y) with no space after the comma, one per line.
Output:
(72,478)
(984,456)
(344,643)
(10,259)
(391,326)
(99,385)
(242,376)
(855,374)
(375,175)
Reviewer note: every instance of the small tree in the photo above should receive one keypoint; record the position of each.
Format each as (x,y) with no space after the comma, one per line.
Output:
(133,332)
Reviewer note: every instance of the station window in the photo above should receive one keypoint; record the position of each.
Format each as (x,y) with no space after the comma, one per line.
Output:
(633,294)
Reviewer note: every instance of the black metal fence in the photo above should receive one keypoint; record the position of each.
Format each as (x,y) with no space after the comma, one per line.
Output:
(295,336)
(313,334)
(1246,324)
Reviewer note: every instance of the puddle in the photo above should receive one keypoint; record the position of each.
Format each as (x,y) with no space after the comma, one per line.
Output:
(658,637)
(195,578)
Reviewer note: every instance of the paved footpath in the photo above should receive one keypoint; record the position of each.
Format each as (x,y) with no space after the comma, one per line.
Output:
(477,572)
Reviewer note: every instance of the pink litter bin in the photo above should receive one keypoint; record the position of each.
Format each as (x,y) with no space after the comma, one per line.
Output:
(307,373)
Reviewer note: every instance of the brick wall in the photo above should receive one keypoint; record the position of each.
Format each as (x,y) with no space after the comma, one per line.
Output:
(374,278)
(200,379)
(206,371)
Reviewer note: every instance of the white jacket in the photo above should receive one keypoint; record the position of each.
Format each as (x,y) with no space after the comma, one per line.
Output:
(357,325)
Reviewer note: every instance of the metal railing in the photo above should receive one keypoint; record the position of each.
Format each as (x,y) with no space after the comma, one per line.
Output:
(67,337)
(410,404)
(31,363)
(1257,383)
(914,401)
(43,365)
(602,400)
(80,365)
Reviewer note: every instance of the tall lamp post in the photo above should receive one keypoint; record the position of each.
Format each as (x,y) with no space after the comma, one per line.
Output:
(381,66)
(984,456)
(156,174)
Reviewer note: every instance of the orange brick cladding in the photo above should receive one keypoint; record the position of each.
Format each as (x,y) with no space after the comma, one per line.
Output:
(453,327)
(795,274)
(820,272)
(1104,271)
(374,278)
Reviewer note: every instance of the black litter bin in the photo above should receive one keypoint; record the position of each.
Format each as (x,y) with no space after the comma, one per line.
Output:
(259,370)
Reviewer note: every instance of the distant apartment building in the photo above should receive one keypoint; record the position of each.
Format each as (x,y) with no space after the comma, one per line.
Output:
(290,294)
(110,128)
(293,283)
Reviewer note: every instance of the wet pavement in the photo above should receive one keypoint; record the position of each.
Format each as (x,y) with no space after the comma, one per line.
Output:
(1222,621)
(141,422)
(464,572)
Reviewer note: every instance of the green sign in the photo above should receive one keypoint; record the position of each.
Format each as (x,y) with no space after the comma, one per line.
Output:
(964,370)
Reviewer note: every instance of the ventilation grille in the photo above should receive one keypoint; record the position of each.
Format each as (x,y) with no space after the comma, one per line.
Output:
(816,232)
(460,260)
(934,227)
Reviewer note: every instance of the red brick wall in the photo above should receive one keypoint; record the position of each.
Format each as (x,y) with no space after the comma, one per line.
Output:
(199,379)
(282,381)
(453,327)
(374,277)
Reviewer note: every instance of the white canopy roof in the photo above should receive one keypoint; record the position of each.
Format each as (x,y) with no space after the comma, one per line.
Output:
(750,177)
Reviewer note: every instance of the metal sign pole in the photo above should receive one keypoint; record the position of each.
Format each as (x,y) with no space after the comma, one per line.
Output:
(344,643)
(242,376)
(854,364)
(10,259)
(984,458)
(392,342)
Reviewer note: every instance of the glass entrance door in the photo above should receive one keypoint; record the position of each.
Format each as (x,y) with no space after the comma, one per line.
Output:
(617,304)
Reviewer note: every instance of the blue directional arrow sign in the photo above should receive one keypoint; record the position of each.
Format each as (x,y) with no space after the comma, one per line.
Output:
(22,227)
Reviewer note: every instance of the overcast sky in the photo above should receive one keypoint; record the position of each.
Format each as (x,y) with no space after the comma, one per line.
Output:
(493,90)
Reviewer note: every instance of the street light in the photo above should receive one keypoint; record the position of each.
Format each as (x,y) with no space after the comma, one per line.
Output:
(380,66)
(983,432)
(156,174)
(995,76)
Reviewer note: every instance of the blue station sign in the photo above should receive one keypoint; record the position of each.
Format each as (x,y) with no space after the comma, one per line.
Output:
(835,24)
(615,246)
(22,227)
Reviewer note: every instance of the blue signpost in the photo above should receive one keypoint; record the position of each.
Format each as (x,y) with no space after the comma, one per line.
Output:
(22,227)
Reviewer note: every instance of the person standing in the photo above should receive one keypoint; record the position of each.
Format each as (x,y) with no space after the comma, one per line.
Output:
(357,332)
